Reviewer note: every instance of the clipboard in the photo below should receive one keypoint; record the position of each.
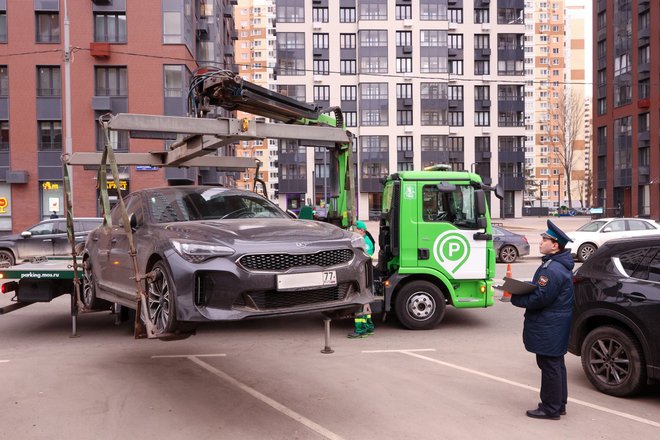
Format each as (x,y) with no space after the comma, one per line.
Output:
(516,287)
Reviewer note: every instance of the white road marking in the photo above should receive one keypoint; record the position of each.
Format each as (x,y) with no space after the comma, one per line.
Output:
(163,356)
(3,360)
(265,399)
(516,384)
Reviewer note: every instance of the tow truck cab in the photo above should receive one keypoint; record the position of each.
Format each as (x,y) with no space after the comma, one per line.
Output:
(436,245)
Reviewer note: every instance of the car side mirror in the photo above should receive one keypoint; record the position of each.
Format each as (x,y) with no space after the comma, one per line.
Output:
(608,229)
(26,234)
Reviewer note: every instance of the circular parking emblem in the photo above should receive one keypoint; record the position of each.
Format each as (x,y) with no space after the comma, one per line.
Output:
(451,249)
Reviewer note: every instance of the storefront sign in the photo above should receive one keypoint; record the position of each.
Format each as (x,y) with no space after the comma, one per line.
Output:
(3,204)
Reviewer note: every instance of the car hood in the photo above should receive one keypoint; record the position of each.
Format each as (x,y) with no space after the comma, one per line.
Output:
(255,231)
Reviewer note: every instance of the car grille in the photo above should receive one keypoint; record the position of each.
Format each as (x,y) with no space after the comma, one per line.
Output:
(282,262)
(273,300)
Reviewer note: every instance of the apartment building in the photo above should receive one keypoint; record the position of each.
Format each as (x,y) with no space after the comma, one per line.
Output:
(627,107)
(555,104)
(419,83)
(123,56)
(254,54)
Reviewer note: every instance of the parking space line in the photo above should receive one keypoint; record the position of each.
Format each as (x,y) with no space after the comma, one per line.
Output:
(3,360)
(265,399)
(517,384)
(164,356)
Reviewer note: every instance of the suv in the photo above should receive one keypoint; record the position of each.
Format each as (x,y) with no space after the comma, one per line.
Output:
(615,326)
(45,239)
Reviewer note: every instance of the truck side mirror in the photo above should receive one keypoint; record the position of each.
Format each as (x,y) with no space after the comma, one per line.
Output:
(480,202)
(499,191)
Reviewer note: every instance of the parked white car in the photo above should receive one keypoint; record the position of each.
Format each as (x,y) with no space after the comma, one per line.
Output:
(591,236)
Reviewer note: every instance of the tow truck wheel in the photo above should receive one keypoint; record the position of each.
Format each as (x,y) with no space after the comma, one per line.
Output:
(420,305)
(160,299)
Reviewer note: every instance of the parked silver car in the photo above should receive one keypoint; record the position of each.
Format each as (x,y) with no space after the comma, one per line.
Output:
(223,254)
(45,239)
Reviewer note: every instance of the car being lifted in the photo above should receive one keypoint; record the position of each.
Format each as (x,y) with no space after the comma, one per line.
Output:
(216,254)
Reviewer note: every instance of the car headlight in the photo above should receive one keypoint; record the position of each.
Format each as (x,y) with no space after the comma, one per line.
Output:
(357,241)
(197,252)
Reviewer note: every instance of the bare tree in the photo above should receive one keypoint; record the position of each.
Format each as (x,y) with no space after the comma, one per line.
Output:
(565,127)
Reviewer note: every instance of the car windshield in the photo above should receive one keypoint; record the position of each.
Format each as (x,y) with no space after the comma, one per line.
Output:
(592,226)
(190,204)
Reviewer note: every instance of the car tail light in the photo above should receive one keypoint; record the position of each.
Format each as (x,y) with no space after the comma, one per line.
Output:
(525,238)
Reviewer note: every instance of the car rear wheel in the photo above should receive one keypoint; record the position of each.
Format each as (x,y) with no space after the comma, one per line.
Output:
(6,258)
(585,252)
(508,254)
(613,360)
(160,299)
(420,305)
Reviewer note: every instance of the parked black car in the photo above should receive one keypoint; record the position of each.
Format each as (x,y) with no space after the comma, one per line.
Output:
(45,239)
(616,321)
(509,245)
(218,254)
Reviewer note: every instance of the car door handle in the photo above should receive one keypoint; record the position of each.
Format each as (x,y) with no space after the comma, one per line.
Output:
(635,296)
(95,239)
(113,241)
(47,239)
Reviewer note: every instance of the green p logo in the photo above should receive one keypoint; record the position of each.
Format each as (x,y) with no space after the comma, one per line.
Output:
(451,250)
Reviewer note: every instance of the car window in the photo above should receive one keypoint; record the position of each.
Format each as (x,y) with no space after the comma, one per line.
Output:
(59,227)
(591,226)
(654,268)
(88,225)
(497,231)
(631,262)
(42,228)
(615,226)
(638,225)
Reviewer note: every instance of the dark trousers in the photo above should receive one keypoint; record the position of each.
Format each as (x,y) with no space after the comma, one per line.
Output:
(554,389)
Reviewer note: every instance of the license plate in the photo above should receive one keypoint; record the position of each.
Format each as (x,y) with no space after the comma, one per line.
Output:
(306,280)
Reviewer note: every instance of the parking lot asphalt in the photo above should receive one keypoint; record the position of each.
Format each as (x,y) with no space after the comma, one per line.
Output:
(267,379)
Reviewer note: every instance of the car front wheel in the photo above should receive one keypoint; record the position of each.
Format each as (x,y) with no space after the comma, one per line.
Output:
(6,258)
(508,254)
(420,305)
(160,299)
(613,360)
(585,252)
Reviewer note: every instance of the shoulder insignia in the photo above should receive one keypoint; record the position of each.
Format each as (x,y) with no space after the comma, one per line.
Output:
(543,281)
(547,264)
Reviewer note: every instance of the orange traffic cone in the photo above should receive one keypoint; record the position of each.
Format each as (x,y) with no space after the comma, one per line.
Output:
(506,296)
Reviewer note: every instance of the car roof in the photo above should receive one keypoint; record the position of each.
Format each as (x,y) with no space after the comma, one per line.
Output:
(649,240)
(609,219)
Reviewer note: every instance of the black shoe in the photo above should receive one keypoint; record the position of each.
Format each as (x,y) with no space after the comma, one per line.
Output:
(540,414)
(562,412)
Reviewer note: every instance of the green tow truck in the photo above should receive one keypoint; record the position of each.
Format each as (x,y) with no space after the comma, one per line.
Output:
(436,245)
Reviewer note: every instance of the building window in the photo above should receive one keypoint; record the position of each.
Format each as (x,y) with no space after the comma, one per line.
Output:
(348,67)
(404,65)
(4,81)
(172,28)
(320,41)
(49,81)
(347,15)
(321,67)
(403,12)
(50,135)
(455,15)
(111,81)
(110,27)
(482,119)
(435,91)
(350,119)
(118,139)
(321,93)
(290,11)
(456,67)
(481,93)
(404,91)
(481,15)
(404,143)
(455,41)
(347,41)
(3,26)
(432,10)
(4,135)
(455,119)
(320,15)
(173,81)
(404,117)
(482,67)
(48,27)
(373,10)
(348,93)
(373,64)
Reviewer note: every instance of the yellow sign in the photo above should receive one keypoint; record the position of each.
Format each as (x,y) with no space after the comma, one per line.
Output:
(122,185)
(3,204)
(50,186)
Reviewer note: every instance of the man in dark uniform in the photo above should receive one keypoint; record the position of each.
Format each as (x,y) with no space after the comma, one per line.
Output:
(548,321)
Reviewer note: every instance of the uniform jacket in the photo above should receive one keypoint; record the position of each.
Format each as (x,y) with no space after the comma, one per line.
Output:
(549,307)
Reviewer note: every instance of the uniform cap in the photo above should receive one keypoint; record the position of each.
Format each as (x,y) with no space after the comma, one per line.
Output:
(360,225)
(556,234)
